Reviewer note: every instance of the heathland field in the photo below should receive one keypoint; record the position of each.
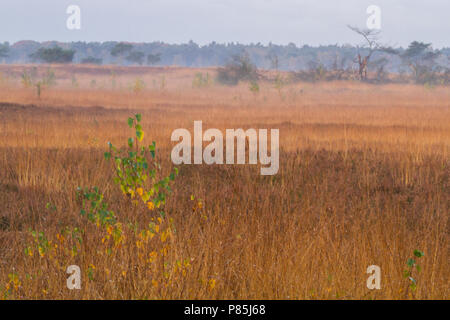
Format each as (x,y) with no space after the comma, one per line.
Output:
(363,180)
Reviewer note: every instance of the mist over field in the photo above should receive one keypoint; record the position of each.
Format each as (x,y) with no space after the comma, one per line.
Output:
(217,150)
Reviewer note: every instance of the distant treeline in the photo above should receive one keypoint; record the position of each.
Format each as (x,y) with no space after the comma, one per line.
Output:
(282,57)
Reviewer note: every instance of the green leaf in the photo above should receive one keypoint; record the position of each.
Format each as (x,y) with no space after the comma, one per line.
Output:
(418,268)
(139,135)
(107,155)
(130,142)
(418,253)
(138,117)
(130,122)
(410,262)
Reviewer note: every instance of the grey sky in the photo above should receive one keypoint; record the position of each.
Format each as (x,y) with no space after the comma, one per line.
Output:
(245,21)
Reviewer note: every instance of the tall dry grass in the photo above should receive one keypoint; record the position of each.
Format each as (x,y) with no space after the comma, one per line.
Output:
(363,180)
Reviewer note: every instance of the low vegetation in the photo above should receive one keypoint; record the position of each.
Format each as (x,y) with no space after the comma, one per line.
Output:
(363,180)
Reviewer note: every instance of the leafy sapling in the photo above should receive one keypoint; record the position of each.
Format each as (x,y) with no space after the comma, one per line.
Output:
(137,176)
(413,266)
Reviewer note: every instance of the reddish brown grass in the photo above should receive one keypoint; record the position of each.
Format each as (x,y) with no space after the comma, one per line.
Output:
(363,180)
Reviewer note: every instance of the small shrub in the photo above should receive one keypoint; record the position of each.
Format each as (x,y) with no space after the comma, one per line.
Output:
(413,266)
(137,176)
(240,68)
(123,251)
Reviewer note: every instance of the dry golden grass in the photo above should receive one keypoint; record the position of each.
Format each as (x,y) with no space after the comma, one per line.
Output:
(363,180)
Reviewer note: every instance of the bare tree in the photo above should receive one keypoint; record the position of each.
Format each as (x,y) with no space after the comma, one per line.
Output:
(371,44)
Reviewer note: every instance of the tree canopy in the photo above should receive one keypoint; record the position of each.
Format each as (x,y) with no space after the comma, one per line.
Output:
(4,49)
(53,55)
(136,57)
(120,49)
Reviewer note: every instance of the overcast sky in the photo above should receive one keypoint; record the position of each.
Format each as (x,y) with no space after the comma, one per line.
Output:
(312,22)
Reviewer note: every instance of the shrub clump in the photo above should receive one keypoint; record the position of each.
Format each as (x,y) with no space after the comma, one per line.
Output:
(240,68)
